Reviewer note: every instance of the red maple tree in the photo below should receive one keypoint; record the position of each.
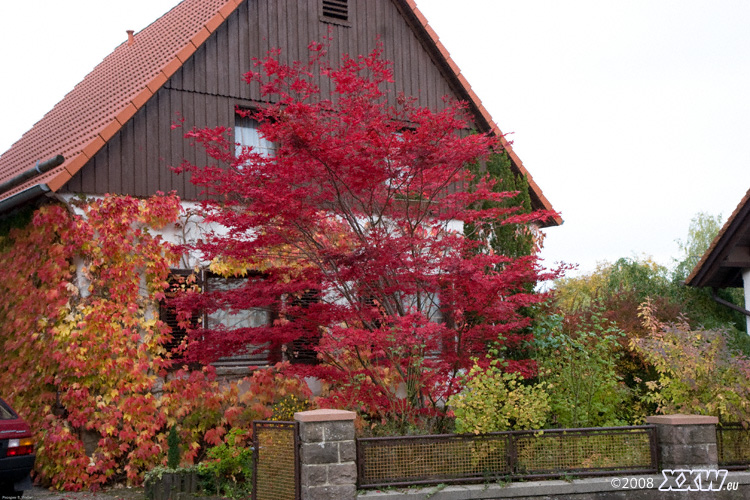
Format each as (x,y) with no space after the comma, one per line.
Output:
(352,233)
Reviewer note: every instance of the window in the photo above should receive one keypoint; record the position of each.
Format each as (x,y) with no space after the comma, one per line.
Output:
(431,307)
(397,171)
(248,318)
(6,413)
(373,311)
(428,303)
(246,135)
(231,319)
(402,180)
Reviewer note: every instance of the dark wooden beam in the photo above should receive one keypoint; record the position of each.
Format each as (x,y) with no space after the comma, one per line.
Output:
(742,264)
(739,256)
(728,304)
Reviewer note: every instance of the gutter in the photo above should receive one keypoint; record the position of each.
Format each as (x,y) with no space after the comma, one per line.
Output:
(31,192)
(24,196)
(39,169)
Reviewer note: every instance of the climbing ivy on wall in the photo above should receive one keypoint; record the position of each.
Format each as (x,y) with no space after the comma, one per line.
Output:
(83,350)
(509,239)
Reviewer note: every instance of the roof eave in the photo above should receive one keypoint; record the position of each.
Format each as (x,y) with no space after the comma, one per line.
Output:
(711,259)
(100,138)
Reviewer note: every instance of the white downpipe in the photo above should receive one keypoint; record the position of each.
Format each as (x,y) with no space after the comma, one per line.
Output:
(746,283)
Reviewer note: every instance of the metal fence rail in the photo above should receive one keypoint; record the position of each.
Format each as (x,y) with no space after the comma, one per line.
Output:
(733,446)
(276,461)
(451,458)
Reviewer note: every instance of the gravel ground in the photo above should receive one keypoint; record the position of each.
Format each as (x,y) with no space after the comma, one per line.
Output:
(121,493)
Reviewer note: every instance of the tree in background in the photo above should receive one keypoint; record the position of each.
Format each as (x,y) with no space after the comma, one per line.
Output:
(578,362)
(621,287)
(617,291)
(700,308)
(359,207)
(701,233)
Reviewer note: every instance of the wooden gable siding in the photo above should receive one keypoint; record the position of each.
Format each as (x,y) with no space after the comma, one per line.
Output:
(206,89)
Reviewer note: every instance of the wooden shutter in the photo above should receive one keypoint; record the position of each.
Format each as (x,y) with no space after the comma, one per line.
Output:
(302,350)
(168,314)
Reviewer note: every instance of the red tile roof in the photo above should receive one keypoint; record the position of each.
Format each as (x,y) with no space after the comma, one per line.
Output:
(95,110)
(87,117)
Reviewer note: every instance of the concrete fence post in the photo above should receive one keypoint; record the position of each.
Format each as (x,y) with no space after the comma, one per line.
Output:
(328,452)
(686,441)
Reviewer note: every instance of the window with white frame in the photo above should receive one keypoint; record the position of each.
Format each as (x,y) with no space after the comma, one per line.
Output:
(246,318)
(246,134)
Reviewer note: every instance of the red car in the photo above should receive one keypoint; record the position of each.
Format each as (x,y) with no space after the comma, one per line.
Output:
(16,453)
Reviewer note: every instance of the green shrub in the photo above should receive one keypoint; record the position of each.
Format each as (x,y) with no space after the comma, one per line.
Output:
(229,470)
(493,400)
(173,450)
(579,364)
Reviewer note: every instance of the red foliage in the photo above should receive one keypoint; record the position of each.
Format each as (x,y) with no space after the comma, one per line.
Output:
(83,355)
(361,203)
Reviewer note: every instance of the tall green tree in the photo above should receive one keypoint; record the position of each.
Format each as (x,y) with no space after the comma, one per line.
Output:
(510,236)
(702,230)
(503,237)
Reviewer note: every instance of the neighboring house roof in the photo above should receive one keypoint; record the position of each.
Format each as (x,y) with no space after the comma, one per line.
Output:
(729,254)
(100,105)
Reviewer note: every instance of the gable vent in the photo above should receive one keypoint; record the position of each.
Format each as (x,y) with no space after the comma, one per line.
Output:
(336,10)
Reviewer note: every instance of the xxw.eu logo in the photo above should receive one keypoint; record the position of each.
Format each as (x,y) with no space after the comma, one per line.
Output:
(693,480)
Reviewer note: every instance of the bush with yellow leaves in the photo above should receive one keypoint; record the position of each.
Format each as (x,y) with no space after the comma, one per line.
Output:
(494,400)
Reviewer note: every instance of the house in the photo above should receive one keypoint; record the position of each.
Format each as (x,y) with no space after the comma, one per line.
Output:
(113,132)
(726,263)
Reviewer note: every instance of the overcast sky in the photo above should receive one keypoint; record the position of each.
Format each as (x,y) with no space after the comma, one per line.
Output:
(631,115)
